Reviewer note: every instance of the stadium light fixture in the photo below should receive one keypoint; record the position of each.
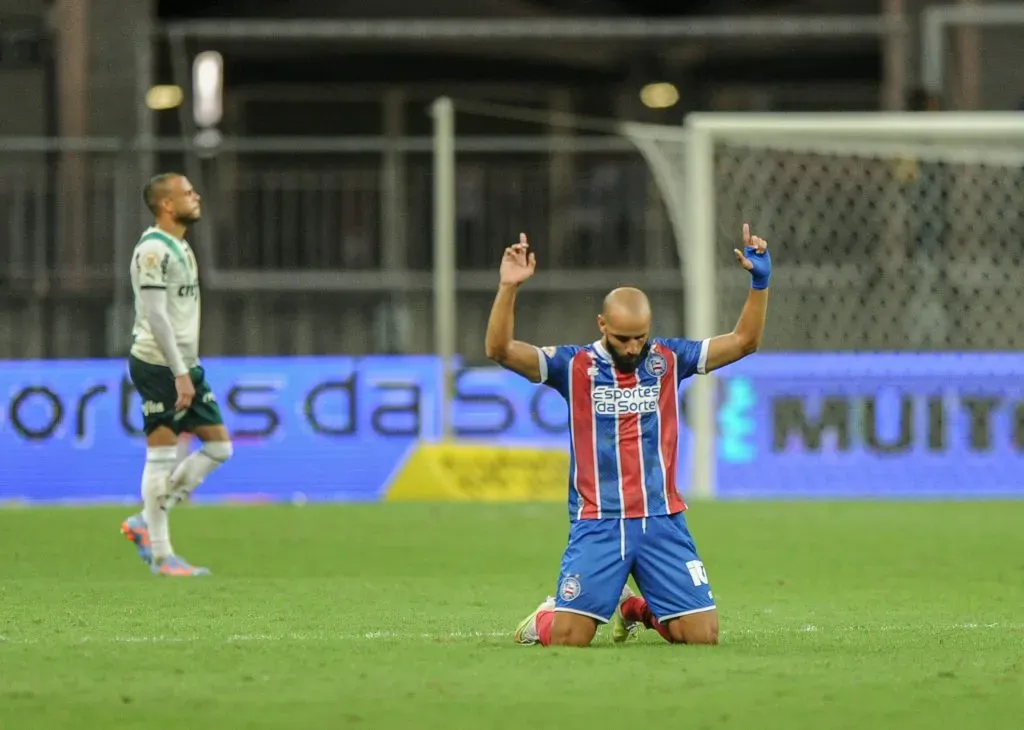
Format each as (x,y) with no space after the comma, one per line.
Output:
(207,89)
(659,95)
(165,96)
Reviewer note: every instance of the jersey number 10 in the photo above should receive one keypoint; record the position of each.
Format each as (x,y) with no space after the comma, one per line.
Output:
(697,572)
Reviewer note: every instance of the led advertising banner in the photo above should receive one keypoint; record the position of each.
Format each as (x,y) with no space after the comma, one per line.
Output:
(340,428)
(949,425)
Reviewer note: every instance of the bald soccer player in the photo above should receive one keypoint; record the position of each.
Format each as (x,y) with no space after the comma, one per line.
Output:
(626,514)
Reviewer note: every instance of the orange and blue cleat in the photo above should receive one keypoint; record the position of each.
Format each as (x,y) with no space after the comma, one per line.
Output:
(136,531)
(174,566)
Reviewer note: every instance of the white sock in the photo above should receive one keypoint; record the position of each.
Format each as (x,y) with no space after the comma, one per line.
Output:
(159,465)
(184,448)
(190,473)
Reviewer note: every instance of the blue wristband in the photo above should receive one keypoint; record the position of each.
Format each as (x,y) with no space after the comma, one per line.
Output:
(761,274)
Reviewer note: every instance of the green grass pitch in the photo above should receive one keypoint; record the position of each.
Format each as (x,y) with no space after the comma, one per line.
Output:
(834,615)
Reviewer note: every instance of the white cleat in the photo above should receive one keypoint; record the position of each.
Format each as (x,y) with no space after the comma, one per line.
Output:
(623,630)
(526,631)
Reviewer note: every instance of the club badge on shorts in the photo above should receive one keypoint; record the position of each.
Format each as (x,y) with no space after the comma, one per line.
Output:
(570,588)
(656,364)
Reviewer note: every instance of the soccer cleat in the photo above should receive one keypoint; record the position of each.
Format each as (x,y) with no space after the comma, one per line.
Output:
(177,567)
(136,532)
(526,631)
(623,630)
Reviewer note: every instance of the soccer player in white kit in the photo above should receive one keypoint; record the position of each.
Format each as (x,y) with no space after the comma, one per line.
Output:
(165,369)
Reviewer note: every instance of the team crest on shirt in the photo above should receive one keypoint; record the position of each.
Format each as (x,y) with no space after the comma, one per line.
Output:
(151,260)
(570,588)
(656,364)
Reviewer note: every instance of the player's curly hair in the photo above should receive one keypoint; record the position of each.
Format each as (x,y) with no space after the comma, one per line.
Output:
(156,189)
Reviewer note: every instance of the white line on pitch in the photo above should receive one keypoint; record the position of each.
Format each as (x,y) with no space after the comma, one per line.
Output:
(470,635)
(267,638)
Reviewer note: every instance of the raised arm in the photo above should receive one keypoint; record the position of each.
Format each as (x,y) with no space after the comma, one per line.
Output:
(745,337)
(517,265)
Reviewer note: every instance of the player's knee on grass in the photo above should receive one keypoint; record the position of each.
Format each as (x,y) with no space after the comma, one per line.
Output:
(696,628)
(572,629)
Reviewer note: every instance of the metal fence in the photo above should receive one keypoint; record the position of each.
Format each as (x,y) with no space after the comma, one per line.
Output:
(325,246)
(885,245)
(321,245)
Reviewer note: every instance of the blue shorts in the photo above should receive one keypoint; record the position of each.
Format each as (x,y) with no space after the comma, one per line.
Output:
(658,551)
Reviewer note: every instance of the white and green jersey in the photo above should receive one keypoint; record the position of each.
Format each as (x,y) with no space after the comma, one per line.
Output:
(161,261)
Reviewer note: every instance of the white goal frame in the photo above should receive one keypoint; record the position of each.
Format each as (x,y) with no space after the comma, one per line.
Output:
(703,131)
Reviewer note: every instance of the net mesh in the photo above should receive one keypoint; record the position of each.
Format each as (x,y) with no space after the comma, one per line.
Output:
(889,365)
(878,245)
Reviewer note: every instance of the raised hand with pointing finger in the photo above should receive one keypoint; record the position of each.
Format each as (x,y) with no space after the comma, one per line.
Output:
(518,263)
(755,258)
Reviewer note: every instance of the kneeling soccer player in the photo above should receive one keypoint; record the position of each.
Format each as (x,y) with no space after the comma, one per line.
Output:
(626,514)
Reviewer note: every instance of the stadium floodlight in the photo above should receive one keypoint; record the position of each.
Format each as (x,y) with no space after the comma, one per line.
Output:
(659,95)
(208,89)
(164,97)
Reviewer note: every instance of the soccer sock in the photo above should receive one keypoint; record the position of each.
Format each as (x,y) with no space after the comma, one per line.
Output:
(190,473)
(184,448)
(636,609)
(159,465)
(544,620)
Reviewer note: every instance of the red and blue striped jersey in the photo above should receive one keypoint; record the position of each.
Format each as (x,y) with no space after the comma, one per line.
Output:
(623,427)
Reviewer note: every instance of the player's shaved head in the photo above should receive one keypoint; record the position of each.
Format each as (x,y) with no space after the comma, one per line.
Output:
(625,321)
(158,188)
(626,302)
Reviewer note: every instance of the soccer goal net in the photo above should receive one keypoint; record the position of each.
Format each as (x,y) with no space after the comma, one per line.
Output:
(889,363)
(894,331)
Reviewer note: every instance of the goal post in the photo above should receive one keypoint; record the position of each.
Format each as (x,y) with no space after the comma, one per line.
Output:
(445,266)
(896,300)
